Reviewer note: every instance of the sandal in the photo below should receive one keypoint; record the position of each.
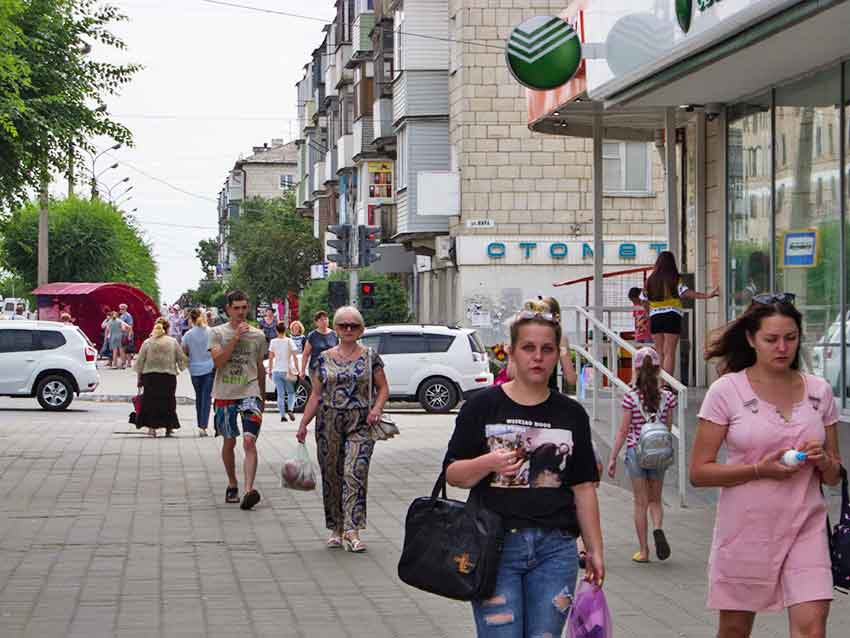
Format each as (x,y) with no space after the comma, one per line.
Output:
(662,547)
(334,542)
(353,543)
(637,558)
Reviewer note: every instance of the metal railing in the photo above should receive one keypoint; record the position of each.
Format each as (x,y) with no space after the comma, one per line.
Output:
(614,343)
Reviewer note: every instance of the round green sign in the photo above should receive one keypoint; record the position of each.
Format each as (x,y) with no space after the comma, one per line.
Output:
(684,14)
(543,52)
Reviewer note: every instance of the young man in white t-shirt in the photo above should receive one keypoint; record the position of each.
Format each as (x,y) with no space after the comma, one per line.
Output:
(283,370)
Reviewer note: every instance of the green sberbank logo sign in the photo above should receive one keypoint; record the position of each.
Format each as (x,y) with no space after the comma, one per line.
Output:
(543,52)
(685,11)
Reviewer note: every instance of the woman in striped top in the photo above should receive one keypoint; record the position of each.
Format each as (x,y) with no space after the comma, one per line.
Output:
(646,398)
(663,296)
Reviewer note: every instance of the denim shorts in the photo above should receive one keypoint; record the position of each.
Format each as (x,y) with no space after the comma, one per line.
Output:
(636,471)
(227,413)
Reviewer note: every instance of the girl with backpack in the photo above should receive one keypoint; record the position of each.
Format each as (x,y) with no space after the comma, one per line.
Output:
(645,401)
(526,450)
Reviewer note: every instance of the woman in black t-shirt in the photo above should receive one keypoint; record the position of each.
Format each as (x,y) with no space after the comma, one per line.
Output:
(528,451)
(319,340)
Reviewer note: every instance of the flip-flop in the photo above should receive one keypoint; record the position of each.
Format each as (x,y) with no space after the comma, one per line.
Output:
(662,547)
(636,558)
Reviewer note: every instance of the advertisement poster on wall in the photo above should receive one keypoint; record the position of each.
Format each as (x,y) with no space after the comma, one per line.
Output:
(380,180)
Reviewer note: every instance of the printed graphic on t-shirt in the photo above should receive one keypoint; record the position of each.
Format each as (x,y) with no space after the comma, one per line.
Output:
(546,453)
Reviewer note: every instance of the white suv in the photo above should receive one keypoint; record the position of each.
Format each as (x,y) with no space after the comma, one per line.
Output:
(46,360)
(434,365)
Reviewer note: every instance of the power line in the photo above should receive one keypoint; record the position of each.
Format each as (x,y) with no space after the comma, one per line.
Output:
(225,118)
(325,21)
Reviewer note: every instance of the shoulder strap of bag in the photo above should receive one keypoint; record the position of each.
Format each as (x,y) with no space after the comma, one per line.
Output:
(369,363)
(659,415)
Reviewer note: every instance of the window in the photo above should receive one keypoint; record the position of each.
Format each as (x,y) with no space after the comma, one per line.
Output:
(818,141)
(476,344)
(439,343)
(286,182)
(404,344)
(625,167)
(371,341)
(455,50)
(17,341)
(398,36)
(784,151)
(401,161)
(51,339)
(819,198)
(364,96)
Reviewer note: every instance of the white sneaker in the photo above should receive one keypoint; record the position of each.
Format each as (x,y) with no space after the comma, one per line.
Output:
(202,432)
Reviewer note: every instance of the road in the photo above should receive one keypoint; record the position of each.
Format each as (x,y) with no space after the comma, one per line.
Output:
(107,532)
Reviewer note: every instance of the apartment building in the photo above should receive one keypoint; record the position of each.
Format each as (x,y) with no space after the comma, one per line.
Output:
(270,171)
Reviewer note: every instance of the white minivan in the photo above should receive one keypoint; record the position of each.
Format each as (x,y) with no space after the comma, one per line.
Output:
(46,360)
(434,365)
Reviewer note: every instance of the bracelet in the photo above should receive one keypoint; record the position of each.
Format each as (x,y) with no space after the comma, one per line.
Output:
(756,469)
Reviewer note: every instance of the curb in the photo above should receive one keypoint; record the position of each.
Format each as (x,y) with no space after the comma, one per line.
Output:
(123,398)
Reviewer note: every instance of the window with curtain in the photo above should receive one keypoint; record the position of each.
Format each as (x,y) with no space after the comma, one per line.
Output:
(626,168)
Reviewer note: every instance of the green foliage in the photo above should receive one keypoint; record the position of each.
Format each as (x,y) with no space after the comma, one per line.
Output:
(390,298)
(274,248)
(209,293)
(51,89)
(207,254)
(89,241)
(12,285)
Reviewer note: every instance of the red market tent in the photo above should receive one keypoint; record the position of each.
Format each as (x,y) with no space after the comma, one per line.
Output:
(88,304)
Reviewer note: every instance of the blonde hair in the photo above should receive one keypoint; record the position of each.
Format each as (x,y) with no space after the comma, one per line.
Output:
(348,310)
(198,318)
(296,324)
(159,328)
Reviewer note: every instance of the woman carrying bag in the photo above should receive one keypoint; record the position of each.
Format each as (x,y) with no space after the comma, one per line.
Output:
(347,423)
(525,450)
(159,362)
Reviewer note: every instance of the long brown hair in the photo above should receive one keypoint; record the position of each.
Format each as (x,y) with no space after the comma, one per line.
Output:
(664,280)
(646,382)
(731,346)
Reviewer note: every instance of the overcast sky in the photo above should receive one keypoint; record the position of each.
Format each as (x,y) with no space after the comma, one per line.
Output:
(217,81)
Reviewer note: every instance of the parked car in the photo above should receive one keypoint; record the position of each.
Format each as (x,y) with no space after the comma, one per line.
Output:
(436,366)
(10,307)
(46,360)
(826,354)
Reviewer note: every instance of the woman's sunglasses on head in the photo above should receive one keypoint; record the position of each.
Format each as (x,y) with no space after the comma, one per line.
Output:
(768,298)
(525,315)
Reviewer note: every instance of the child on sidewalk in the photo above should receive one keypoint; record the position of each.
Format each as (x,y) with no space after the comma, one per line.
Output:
(641,317)
(646,398)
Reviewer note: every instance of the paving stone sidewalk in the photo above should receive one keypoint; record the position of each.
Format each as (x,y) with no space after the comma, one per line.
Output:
(107,532)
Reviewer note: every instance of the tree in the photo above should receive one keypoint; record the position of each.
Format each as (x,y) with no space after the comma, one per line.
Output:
(51,91)
(274,248)
(207,253)
(390,298)
(89,241)
(210,293)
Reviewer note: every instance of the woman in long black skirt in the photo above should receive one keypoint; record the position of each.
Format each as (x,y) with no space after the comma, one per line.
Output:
(158,363)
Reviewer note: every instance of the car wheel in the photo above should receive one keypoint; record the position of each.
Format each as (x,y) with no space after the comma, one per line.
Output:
(302,393)
(437,395)
(54,392)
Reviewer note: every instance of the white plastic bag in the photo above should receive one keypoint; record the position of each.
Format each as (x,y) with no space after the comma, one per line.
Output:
(298,472)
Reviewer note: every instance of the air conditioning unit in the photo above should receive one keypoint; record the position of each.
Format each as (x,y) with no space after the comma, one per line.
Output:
(445,246)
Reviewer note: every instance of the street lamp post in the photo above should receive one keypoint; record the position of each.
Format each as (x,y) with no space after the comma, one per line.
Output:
(94,173)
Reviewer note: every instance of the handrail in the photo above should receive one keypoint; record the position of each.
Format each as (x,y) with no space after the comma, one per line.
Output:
(675,384)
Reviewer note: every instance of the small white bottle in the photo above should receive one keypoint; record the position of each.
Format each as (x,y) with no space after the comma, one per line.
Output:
(793,457)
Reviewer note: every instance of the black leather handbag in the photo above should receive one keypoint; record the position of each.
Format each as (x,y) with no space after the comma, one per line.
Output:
(451,548)
(839,541)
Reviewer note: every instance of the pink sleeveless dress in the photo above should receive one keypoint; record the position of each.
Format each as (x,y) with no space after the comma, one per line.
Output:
(769,550)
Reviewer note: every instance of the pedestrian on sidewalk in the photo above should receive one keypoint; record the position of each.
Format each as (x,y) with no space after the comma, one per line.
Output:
(201,367)
(663,295)
(296,333)
(129,339)
(268,324)
(646,398)
(115,331)
(239,392)
(340,401)
(159,362)
(283,371)
(769,549)
(319,340)
(565,357)
(526,450)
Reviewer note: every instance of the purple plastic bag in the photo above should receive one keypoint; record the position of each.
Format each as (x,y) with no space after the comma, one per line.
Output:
(590,616)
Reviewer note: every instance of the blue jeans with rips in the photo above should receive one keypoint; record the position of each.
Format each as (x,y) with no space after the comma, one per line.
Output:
(534,588)
(285,392)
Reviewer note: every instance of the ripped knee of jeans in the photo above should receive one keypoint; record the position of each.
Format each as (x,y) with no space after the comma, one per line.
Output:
(563,601)
(496,618)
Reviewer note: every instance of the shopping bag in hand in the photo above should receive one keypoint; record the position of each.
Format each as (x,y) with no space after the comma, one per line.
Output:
(298,472)
(590,616)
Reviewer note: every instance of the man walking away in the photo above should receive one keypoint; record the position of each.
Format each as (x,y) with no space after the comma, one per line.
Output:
(239,390)
(129,337)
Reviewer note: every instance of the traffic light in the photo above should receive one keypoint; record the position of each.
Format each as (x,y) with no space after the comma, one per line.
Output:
(342,243)
(367,294)
(337,294)
(367,244)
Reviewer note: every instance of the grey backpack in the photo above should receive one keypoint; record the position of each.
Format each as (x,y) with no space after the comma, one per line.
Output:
(654,449)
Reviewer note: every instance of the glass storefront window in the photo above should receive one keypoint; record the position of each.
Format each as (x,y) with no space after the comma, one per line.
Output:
(749,206)
(845,136)
(808,212)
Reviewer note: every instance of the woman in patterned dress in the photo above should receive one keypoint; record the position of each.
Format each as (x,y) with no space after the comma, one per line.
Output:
(345,415)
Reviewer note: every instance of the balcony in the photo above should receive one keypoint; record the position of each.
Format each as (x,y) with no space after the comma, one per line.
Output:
(342,75)
(345,153)
(310,111)
(362,132)
(330,167)
(318,177)
(382,119)
(361,40)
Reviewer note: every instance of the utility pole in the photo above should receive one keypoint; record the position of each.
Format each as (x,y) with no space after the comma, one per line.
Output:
(43,225)
(70,169)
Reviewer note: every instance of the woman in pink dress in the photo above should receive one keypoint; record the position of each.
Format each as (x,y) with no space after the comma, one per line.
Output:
(769,550)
